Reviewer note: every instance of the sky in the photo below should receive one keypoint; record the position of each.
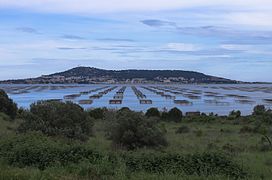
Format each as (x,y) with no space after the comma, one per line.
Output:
(231,39)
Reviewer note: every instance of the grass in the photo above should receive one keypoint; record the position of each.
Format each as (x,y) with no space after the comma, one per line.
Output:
(216,136)
(213,135)
(226,137)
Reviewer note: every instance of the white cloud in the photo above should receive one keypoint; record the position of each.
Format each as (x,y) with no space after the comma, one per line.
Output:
(256,13)
(182,47)
(236,47)
(259,19)
(35,46)
(95,6)
(250,49)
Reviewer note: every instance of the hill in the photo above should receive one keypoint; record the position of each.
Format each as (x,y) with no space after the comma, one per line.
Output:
(94,75)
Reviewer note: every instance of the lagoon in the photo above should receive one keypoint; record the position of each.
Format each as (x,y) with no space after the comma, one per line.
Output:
(216,98)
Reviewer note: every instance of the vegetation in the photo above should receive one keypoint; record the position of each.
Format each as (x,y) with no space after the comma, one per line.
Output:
(130,74)
(174,115)
(234,115)
(133,130)
(84,73)
(57,119)
(259,110)
(183,129)
(124,144)
(152,112)
(7,106)
(97,113)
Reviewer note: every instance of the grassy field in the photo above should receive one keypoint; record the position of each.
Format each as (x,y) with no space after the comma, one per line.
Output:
(221,135)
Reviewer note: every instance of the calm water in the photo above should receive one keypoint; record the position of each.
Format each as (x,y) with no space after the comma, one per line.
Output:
(220,99)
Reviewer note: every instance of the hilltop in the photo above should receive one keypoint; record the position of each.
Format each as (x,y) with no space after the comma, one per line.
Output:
(95,75)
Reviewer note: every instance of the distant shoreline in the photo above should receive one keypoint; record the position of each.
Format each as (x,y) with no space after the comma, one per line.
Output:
(5,83)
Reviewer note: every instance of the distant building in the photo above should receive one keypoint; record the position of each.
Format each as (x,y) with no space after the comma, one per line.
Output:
(167,81)
(111,81)
(138,80)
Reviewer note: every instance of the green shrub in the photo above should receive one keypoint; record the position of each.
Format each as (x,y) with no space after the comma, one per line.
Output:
(234,115)
(4,117)
(124,109)
(259,110)
(102,169)
(97,113)
(261,129)
(183,129)
(265,144)
(152,112)
(174,115)
(132,130)
(164,115)
(58,119)
(37,150)
(205,164)
(267,118)
(162,126)
(7,106)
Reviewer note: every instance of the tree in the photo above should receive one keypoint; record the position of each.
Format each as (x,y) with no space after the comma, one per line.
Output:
(259,110)
(174,115)
(152,112)
(124,109)
(97,113)
(58,119)
(234,115)
(7,106)
(132,130)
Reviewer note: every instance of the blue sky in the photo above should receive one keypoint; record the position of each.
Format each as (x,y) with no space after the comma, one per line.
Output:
(216,37)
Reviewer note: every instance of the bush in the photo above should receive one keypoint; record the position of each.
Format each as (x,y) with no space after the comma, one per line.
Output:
(152,112)
(58,119)
(124,109)
(265,144)
(164,115)
(234,115)
(37,150)
(7,106)
(174,115)
(259,110)
(97,113)
(205,164)
(4,117)
(183,129)
(132,130)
